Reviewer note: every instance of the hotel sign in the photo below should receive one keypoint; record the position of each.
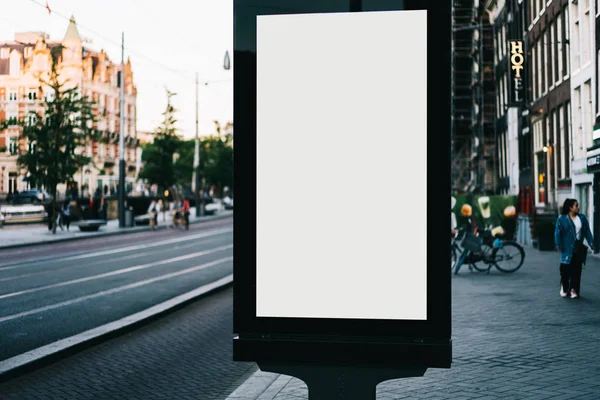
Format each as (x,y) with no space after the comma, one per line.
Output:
(516,86)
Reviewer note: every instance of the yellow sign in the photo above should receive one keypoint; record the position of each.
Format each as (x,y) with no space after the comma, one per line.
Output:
(541,178)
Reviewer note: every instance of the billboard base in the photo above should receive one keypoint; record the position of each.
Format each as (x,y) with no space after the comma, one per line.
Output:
(349,382)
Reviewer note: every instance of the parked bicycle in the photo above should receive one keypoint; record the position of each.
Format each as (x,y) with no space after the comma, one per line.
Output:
(488,248)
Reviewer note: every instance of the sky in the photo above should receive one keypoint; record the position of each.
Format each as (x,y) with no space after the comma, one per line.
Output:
(167,41)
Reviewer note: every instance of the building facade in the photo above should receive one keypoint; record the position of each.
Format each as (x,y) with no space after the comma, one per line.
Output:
(583,56)
(27,57)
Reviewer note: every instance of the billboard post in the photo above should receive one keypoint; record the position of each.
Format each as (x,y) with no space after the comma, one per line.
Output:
(336,100)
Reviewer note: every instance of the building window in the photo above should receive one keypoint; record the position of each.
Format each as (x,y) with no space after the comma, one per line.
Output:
(539,74)
(586,35)
(560,43)
(545,63)
(552,46)
(576,55)
(11,117)
(587,113)
(12,95)
(533,70)
(28,52)
(31,119)
(565,128)
(32,94)
(49,94)
(4,52)
(15,64)
(13,147)
(566,42)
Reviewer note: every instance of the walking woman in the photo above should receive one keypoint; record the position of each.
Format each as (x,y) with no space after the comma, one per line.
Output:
(570,231)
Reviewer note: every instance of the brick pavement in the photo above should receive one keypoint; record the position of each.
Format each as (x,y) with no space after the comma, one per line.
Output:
(185,355)
(514,337)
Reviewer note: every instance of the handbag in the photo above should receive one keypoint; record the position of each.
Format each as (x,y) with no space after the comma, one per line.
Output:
(581,251)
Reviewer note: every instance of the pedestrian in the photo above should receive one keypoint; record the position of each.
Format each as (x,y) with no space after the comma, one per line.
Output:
(65,215)
(186,213)
(571,229)
(153,211)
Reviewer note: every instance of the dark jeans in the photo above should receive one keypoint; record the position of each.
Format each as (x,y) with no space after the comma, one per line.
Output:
(187,219)
(570,274)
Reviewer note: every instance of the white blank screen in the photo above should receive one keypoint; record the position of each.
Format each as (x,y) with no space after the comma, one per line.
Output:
(341,165)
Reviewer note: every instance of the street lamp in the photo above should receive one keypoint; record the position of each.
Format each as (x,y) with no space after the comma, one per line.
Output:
(196,185)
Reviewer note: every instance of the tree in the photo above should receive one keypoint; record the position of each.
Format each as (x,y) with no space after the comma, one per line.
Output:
(184,167)
(216,161)
(158,157)
(56,138)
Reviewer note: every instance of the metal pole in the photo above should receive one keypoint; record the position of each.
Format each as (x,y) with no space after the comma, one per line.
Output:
(122,137)
(196,186)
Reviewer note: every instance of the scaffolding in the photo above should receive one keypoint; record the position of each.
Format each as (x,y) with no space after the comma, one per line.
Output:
(463,21)
(473,135)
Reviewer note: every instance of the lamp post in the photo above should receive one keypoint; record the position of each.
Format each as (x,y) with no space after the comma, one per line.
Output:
(196,182)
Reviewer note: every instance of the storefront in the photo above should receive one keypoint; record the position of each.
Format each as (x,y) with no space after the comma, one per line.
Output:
(593,167)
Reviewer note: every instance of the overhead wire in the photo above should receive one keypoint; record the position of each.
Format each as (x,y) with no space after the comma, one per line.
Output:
(181,74)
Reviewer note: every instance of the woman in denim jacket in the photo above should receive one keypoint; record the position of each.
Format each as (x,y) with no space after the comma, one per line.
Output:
(570,231)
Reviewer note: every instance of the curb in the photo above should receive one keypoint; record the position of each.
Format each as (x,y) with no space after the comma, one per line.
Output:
(52,352)
(121,231)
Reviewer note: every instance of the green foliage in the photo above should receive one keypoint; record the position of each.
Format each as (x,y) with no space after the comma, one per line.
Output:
(158,156)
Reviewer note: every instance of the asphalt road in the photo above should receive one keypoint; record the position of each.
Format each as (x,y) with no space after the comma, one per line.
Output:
(51,292)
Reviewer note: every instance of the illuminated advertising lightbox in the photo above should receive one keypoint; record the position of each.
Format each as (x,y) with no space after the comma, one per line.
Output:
(342,121)
(342,173)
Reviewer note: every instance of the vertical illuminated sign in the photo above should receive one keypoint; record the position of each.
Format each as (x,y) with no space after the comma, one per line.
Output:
(516,71)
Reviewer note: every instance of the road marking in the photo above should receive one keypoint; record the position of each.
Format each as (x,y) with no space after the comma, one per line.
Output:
(126,249)
(21,360)
(99,262)
(114,290)
(117,272)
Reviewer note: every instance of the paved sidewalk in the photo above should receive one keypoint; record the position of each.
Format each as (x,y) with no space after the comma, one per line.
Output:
(513,336)
(13,236)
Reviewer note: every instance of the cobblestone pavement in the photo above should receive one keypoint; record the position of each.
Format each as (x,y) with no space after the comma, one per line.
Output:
(514,337)
(186,355)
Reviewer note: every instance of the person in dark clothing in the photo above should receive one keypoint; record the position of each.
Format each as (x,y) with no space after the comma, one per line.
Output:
(66,214)
(572,228)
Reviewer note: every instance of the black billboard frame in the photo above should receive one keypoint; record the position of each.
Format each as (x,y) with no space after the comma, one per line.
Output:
(421,344)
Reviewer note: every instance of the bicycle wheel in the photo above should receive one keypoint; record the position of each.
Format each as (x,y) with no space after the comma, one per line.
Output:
(453,258)
(509,257)
(480,268)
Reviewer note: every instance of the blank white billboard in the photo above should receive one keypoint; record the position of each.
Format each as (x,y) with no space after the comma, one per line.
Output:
(341,165)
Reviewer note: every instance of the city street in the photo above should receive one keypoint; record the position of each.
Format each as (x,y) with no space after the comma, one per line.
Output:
(51,292)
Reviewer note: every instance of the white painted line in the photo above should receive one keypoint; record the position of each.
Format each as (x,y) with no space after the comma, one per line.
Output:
(60,345)
(126,249)
(104,261)
(114,290)
(117,272)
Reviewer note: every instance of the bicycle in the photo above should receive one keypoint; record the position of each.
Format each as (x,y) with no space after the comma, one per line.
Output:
(490,249)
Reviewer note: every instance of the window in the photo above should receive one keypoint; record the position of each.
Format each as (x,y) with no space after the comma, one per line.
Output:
(545,64)
(31,119)
(585,53)
(49,94)
(578,128)
(32,94)
(560,42)
(539,74)
(566,42)
(15,64)
(552,46)
(11,117)
(565,129)
(533,71)
(12,146)
(102,100)
(12,95)
(28,52)
(587,113)
(4,53)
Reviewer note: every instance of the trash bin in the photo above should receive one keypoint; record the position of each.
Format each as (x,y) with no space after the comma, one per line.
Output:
(129,217)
